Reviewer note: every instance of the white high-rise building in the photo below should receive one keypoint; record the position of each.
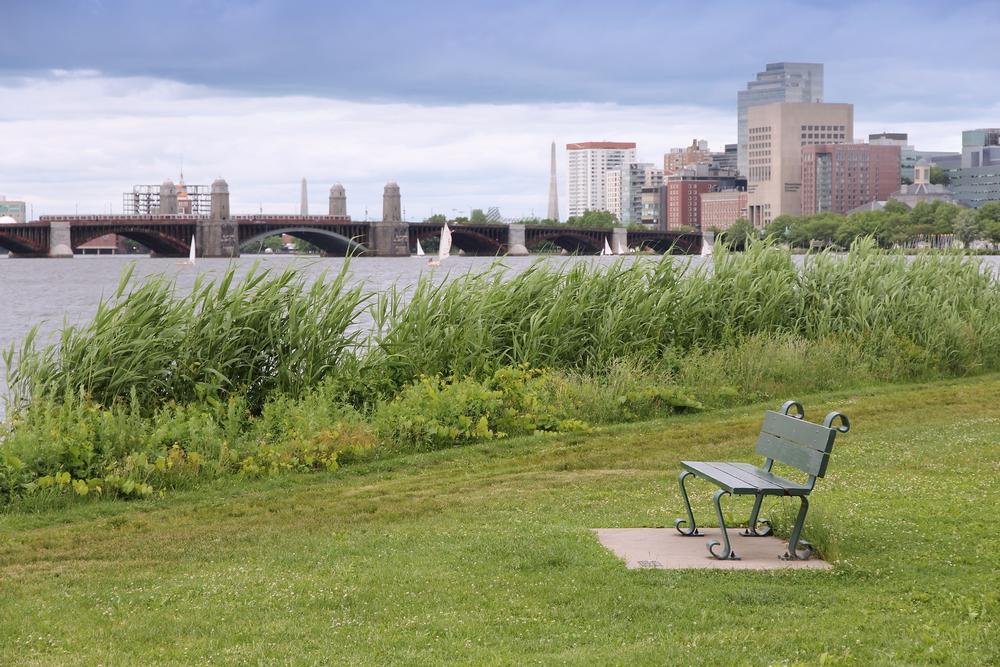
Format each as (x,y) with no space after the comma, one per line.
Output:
(779,82)
(589,164)
(613,190)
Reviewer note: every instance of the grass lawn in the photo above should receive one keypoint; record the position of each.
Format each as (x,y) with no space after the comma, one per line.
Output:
(484,555)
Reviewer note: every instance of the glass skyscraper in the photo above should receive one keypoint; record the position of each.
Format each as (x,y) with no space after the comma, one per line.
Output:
(779,82)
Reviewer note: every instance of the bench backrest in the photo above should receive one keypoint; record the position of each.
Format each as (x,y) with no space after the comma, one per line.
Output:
(789,439)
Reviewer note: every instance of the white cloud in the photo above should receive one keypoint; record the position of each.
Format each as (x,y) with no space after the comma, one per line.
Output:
(79,139)
(82,140)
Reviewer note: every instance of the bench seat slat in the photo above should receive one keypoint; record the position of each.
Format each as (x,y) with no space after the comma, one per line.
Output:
(806,434)
(807,460)
(792,488)
(744,479)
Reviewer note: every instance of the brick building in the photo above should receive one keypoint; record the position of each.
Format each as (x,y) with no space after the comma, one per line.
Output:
(719,210)
(839,177)
(684,201)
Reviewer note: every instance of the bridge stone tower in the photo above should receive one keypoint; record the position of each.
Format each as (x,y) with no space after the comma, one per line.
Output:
(391,203)
(218,236)
(338,200)
(168,198)
(390,237)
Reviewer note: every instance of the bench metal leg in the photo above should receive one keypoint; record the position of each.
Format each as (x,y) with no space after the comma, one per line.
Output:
(692,527)
(751,530)
(727,548)
(794,542)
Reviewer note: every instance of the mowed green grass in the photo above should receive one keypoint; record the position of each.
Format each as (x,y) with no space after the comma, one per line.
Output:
(484,555)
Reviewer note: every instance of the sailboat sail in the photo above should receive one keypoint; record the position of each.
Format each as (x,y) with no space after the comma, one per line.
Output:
(420,249)
(607,248)
(444,249)
(193,252)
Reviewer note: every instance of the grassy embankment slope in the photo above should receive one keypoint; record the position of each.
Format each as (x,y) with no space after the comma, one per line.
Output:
(483,555)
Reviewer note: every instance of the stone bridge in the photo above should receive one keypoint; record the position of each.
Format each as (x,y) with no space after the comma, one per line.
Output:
(170,236)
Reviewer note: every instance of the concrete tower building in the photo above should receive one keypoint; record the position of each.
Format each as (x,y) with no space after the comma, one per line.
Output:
(589,164)
(779,82)
(391,203)
(553,212)
(338,201)
(304,199)
(777,133)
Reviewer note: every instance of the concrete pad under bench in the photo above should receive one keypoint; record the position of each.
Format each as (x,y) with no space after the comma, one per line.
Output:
(666,549)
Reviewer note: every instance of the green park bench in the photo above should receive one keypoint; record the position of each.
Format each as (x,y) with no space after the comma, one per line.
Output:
(786,438)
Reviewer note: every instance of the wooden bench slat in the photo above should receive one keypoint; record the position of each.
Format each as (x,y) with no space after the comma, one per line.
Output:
(736,481)
(807,460)
(791,487)
(806,434)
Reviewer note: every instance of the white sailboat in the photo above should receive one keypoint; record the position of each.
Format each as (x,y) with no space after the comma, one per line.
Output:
(707,243)
(420,249)
(607,248)
(444,247)
(191,255)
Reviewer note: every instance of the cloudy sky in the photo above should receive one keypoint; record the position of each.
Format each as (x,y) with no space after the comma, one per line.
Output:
(457,101)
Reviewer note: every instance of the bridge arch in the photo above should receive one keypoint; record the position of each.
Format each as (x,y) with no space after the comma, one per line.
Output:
(467,240)
(569,240)
(158,242)
(20,245)
(330,243)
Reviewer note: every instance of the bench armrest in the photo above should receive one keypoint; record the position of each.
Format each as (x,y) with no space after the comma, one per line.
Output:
(845,423)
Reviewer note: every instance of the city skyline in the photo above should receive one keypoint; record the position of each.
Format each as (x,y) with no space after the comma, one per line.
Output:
(90,123)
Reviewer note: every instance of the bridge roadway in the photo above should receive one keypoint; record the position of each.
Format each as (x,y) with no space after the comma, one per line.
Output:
(170,235)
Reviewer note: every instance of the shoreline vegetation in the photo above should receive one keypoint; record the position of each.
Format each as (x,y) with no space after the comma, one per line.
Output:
(268,374)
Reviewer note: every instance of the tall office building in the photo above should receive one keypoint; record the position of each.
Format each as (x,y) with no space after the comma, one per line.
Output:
(777,132)
(779,82)
(589,163)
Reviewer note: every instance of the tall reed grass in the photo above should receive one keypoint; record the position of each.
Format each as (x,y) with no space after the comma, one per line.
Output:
(271,333)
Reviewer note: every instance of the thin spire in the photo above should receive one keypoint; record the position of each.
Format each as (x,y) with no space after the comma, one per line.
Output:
(553,213)
(304,202)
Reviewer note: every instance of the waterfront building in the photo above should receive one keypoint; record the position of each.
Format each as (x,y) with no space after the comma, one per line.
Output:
(637,176)
(977,180)
(839,177)
(721,209)
(589,164)
(921,190)
(613,181)
(654,204)
(10,208)
(777,132)
(779,82)
(684,200)
(908,155)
